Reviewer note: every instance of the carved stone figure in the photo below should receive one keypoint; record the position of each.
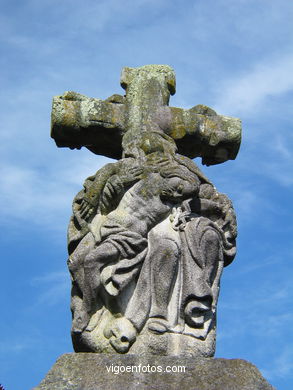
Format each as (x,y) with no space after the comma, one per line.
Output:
(150,234)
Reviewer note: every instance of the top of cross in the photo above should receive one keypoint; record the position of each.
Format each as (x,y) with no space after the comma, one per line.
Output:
(120,124)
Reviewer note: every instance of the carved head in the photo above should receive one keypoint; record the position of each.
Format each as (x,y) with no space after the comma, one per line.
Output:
(179,184)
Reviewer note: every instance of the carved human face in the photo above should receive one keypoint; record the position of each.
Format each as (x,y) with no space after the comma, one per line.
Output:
(180,188)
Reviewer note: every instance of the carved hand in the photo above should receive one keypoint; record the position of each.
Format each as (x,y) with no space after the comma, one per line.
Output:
(133,175)
(86,209)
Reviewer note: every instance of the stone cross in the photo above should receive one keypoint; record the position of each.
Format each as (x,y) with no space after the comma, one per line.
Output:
(150,234)
(107,127)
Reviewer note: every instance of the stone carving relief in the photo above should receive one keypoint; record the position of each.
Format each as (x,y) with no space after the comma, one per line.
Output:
(150,234)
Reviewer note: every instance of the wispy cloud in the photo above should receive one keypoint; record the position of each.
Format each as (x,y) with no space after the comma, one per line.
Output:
(245,203)
(279,163)
(43,196)
(55,286)
(281,366)
(30,195)
(252,267)
(17,345)
(248,92)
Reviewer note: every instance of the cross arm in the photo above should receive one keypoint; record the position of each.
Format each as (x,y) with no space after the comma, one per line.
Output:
(78,120)
(201,132)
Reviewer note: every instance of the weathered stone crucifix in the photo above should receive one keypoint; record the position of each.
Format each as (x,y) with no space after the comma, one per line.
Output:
(106,126)
(150,234)
(148,239)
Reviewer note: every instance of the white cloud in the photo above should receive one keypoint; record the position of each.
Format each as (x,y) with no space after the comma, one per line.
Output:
(56,286)
(95,16)
(44,197)
(253,267)
(248,92)
(281,366)
(279,171)
(27,194)
(41,192)
(246,202)
(18,345)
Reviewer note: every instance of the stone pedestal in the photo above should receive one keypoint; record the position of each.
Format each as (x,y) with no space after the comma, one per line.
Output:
(90,371)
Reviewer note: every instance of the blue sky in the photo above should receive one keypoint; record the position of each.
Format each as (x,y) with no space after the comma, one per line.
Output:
(234,56)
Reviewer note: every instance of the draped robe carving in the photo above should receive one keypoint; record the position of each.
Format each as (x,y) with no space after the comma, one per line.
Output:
(147,244)
(150,234)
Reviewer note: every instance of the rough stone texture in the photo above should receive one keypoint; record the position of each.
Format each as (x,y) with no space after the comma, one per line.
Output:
(100,125)
(87,371)
(150,234)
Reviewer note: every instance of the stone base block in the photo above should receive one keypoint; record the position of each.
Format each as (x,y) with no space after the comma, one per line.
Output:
(91,371)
